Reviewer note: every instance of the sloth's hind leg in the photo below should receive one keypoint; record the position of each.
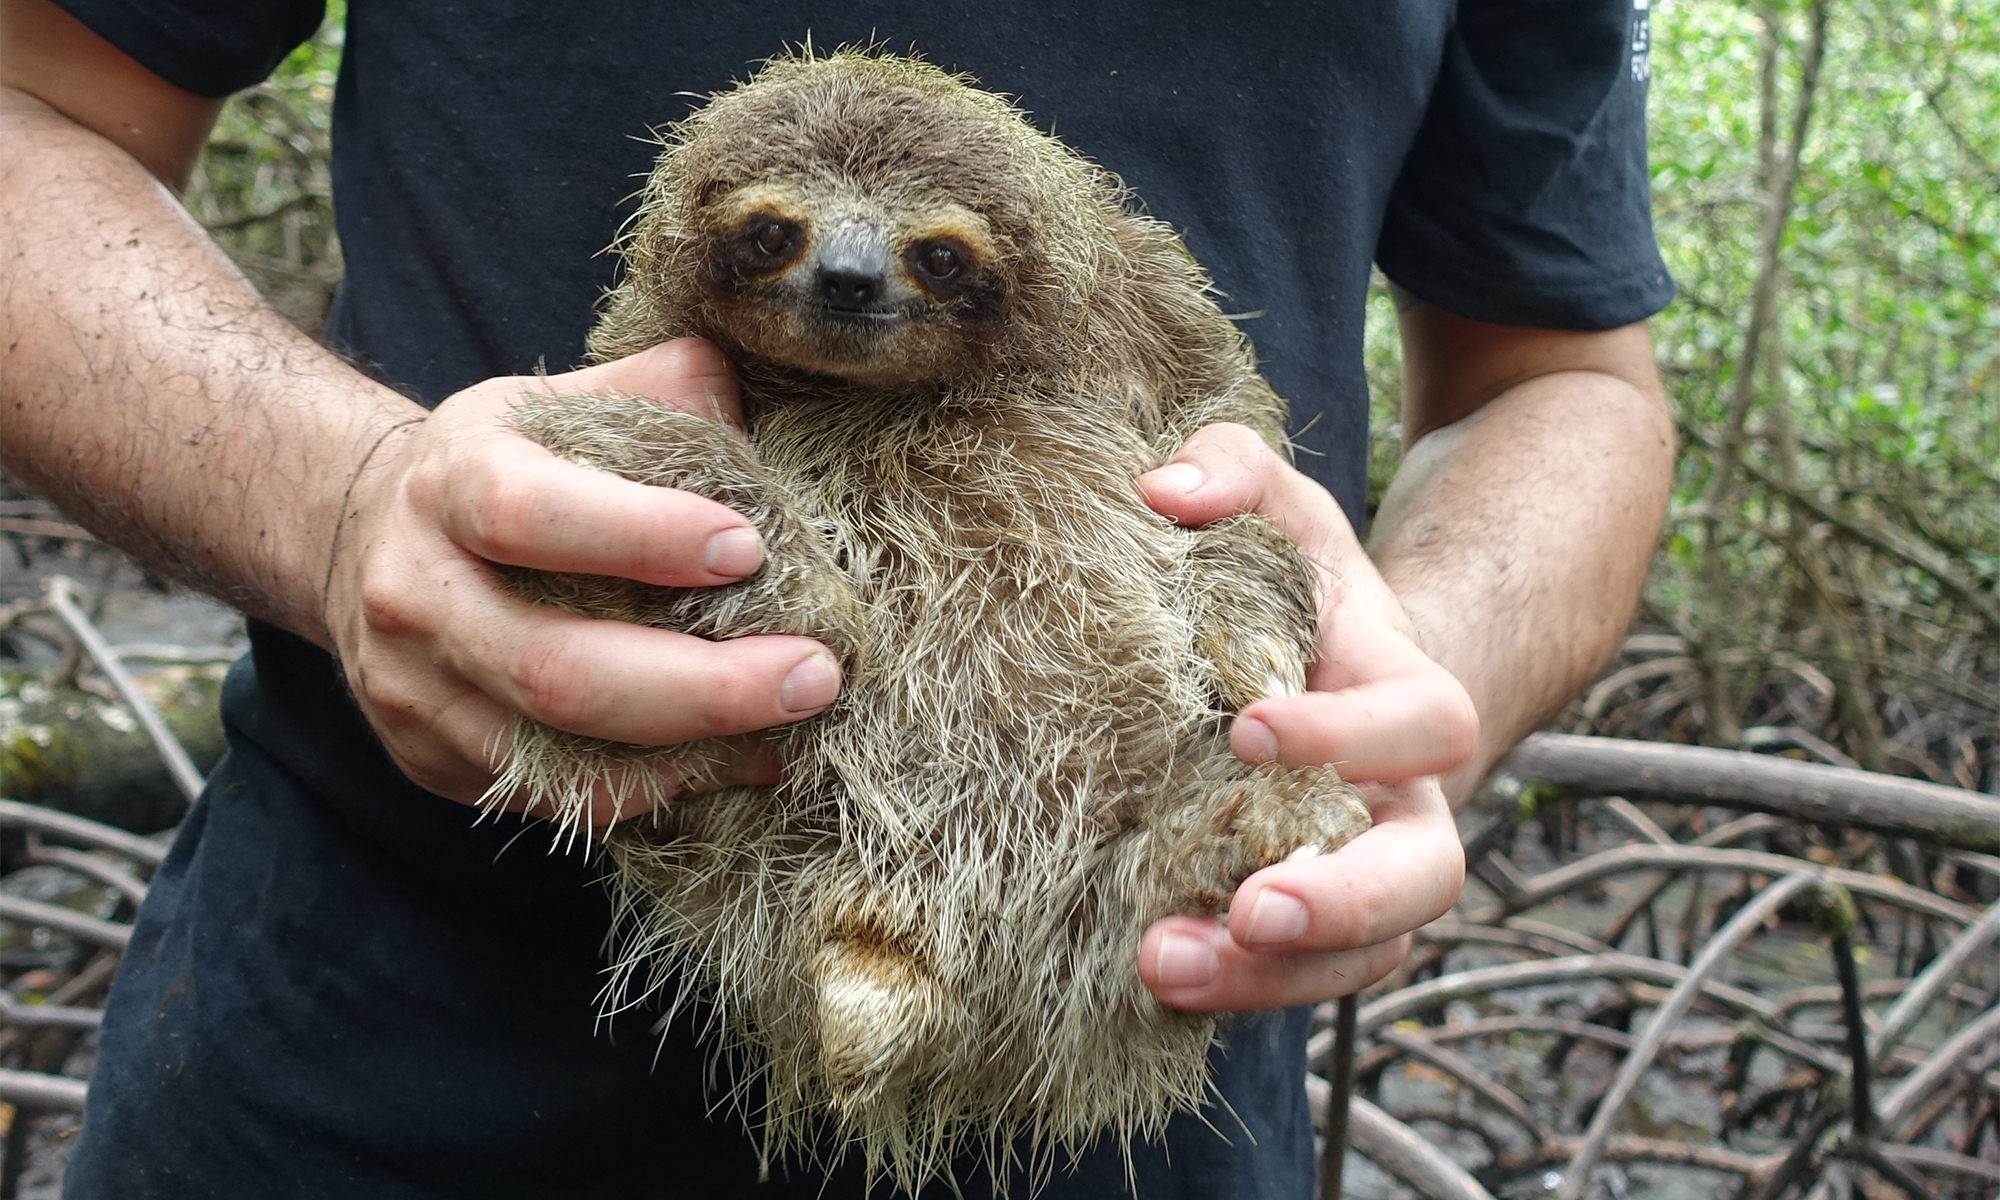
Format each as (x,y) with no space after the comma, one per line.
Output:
(1228,829)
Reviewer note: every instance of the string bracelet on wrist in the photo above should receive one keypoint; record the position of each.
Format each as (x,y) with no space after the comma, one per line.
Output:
(347,498)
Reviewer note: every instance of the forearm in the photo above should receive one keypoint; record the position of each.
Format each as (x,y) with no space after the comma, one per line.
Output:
(149,391)
(1517,538)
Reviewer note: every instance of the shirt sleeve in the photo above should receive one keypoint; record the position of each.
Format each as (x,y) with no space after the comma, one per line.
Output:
(208,47)
(1525,198)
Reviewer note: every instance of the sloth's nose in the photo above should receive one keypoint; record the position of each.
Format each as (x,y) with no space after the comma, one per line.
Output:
(849,286)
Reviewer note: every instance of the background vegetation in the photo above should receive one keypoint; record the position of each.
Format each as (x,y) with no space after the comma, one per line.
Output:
(1827,192)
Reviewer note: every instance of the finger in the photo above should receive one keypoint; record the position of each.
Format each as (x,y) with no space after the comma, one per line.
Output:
(630,683)
(690,374)
(1226,468)
(1392,729)
(1404,872)
(1193,965)
(454,747)
(520,505)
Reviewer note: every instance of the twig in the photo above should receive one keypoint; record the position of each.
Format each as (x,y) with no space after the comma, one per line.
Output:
(1559,1026)
(1576,1176)
(1832,1107)
(86,865)
(1466,1071)
(82,829)
(1452,933)
(1941,1063)
(1834,913)
(96,974)
(1818,995)
(62,601)
(28,527)
(1792,735)
(1640,823)
(1753,1167)
(1941,1160)
(1556,933)
(1721,835)
(1866,1151)
(47,1016)
(1434,992)
(194,656)
(1548,886)
(1945,969)
(1333,1153)
(65,920)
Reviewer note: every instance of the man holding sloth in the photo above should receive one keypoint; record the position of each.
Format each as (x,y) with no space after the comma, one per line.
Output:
(339,985)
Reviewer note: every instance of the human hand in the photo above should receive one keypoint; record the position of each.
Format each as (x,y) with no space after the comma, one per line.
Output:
(1376,707)
(440,653)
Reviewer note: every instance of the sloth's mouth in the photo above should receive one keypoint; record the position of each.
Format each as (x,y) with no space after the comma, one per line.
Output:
(882,316)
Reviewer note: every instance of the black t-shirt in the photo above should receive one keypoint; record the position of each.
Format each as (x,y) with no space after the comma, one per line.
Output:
(340,985)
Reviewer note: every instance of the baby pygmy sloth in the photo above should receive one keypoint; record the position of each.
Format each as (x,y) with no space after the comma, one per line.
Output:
(958,348)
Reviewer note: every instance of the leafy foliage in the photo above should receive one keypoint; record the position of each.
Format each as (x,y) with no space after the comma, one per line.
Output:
(264,190)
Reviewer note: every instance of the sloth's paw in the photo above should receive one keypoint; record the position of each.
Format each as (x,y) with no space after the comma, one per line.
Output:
(1278,814)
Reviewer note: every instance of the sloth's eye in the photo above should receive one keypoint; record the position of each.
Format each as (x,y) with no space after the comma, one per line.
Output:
(938,261)
(775,239)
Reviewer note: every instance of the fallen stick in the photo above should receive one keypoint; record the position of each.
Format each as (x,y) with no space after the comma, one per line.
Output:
(87,865)
(65,920)
(47,1016)
(82,829)
(1731,779)
(1941,1160)
(1467,1072)
(1944,969)
(1941,1064)
(62,601)
(1397,1149)
(1755,1168)
(32,1089)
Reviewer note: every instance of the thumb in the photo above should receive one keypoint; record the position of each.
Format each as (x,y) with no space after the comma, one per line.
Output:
(688,373)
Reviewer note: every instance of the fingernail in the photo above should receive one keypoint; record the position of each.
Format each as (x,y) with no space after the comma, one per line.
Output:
(733,552)
(1253,741)
(1275,917)
(811,686)
(1181,478)
(1186,962)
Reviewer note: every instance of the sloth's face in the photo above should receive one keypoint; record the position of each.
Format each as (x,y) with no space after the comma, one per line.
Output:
(834,278)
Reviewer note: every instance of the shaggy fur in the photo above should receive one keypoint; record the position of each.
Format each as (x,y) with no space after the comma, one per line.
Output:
(958,347)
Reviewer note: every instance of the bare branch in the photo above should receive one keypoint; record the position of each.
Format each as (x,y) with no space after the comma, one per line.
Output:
(1808,791)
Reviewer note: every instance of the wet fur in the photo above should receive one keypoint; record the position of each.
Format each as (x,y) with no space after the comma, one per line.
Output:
(924,941)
